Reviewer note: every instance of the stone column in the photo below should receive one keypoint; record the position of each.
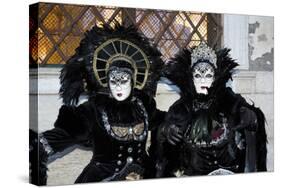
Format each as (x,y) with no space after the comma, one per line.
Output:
(235,36)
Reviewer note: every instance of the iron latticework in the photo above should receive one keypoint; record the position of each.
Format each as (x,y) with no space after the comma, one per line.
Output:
(56,29)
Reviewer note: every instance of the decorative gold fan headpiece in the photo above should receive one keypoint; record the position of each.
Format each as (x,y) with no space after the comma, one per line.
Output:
(118,49)
(104,49)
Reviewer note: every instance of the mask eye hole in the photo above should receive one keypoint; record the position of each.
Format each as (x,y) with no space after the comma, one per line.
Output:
(209,76)
(124,81)
(197,76)
(113,82)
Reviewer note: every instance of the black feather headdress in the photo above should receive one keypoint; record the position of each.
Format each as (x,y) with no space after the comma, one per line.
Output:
(79,75)
(179,71)
(223,73)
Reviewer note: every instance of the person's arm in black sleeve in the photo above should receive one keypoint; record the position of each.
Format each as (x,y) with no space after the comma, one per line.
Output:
(169,137)
(171,130)
(248,123)
(73,126)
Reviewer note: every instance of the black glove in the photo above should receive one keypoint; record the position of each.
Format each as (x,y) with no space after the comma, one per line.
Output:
(172,133)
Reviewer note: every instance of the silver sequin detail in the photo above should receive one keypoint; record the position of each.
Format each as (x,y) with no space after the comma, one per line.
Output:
(130,150)
(107,126)
(48,149)
(130,160)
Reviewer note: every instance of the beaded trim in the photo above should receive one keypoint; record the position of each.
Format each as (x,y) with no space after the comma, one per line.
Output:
(48,149)
(141,137)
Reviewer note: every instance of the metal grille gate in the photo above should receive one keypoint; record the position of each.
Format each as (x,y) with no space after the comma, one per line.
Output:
(56,29)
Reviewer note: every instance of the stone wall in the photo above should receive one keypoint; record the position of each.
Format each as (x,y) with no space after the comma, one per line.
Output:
(261,43)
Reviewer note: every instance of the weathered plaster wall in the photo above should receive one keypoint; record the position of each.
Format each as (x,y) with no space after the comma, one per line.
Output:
(261,43)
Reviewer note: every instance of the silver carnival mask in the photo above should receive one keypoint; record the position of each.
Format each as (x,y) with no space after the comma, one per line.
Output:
(203,77)
(120,84)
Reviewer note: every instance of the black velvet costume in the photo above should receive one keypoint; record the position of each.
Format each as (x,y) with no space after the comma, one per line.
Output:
(219,130)
(116,131)
(84,125)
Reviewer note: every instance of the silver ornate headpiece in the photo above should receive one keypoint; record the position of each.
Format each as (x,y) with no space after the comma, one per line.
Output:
(203,53)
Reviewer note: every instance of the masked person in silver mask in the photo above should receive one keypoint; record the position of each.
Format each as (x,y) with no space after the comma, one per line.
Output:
(210,129)
(118,69)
